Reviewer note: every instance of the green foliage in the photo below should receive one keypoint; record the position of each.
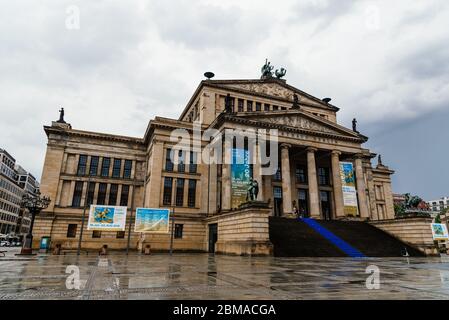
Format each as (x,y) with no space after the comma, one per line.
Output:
(438,219)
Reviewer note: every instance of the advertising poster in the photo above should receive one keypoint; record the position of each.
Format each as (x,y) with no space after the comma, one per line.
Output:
(348,187)
(240,176)
(439,231)
(152,220)
(107,218)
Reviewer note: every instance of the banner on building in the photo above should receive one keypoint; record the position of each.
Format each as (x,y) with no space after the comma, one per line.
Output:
(240,176)
(348,187)
(152,220)
(439,231)
(107,218)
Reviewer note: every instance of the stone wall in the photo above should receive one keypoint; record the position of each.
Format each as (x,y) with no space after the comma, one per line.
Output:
(414,231)
(243,232)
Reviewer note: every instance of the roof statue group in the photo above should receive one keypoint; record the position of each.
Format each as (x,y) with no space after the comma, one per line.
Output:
(267,71)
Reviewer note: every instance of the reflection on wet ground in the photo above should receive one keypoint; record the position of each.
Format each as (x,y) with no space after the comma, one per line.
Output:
(203,276)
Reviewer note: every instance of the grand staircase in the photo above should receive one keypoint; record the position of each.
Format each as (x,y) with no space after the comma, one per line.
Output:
(319,238)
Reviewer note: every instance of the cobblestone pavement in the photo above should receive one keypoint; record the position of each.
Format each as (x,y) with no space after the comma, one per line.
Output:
(204,276)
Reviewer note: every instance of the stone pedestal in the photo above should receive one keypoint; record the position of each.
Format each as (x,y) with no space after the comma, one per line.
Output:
(244,231)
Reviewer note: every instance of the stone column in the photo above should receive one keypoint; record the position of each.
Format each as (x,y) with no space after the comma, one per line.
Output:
(361,188)
(286,181)
(314,198)
(336,182)
(257,171)
(226,175)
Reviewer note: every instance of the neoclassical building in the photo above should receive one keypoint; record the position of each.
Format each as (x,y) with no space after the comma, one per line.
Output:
(83,168)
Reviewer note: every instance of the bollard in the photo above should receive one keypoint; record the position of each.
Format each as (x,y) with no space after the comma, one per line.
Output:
(147,249)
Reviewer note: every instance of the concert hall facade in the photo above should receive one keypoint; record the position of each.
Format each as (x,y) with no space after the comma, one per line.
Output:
(208,211)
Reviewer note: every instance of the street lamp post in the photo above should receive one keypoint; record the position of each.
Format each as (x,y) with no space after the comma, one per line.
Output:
(35,204)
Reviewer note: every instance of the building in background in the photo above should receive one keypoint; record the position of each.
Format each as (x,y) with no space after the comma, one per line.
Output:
(439,204)
(14,183)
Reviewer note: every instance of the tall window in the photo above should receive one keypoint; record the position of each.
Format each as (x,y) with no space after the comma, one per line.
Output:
(77,193)
(240,105)
(181,161)
(193,159)
(249,106)
(93,165)
(71,230)
(275,108)
(323,176)
(90,193)
(168,183)
(105,167)
(82,165)
(127,169)
(301,174)
(266,107)
(258,106)
(168,160)
(179,192)
(191,195)
(116,168)
(113,194)
(178,231)
(124,196)
(101,193)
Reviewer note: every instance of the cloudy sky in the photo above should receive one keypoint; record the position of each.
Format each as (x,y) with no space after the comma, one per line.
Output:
(114,65)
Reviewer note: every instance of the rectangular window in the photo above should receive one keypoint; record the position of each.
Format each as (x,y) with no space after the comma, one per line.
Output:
(275,108)
(90,193)
(94,165)
(82,165)
(96,234)
(301,174)
(116,168)
(179,192)
(249,106)
(105,167)
(101,193)
(120,235)
(77,193)
(277,192)
(323,176)
(240,105)
(127,169)
(71,230)
(191,198)
(168,183)
(178,230)
(124,196)
(181,161)
(193,159)
(113,194)
(169,160)
(258,106)
(266,107)
(303,203)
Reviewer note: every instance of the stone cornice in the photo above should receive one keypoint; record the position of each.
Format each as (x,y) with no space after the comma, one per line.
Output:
(223,117)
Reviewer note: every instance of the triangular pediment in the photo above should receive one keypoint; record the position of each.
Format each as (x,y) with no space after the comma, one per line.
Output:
(274,88)
(296,119)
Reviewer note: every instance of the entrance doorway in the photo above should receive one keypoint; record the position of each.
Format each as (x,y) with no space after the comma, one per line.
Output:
(277,192)
(303,203)
(213,237)
(325,205)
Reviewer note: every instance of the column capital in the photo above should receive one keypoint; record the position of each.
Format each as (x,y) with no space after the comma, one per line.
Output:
(311,149)
(336,152)
(286,145)
(359,156)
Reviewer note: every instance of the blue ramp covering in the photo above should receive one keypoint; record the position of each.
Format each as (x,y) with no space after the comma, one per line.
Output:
(338,242)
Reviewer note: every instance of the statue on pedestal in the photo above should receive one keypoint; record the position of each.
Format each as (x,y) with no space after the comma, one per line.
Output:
(61,116)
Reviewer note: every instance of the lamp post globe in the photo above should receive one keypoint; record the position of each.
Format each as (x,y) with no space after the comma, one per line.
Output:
(34,204)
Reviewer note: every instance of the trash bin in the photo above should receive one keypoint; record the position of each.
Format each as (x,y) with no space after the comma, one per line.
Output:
(45,244)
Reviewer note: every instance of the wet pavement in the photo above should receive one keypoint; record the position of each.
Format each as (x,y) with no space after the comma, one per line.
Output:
(204,276)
